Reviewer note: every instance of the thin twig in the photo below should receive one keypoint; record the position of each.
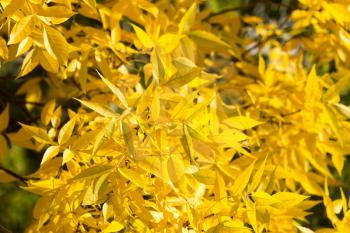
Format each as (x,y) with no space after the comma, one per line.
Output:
(17,176)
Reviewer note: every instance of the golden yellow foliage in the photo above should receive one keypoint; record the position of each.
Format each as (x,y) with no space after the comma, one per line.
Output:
(156,119)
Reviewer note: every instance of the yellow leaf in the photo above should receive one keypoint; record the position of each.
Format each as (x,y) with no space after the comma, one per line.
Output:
(11,8)
(99,108)
(186,141)
(251,214)
(21,30)
(333,122)
(338,162)
(4,118)
(37,133)
(176,169)
(343,109)
(56,45)
(204,37)
(180,79)
(145,40)
(241,122)
(68,155)
(289,199)
(66,131)
(56,11)
(127,135)
(107,131)
(257,177)
(134,177)
(24,46)
(262,66)
(338,11)
(155,105)
(50,152)
(263,199)
(312,85)
(219,188)
(157,66)
(93,171)
(188,19)
(242,180)
(116,91)
(29,63)
(48,62)
(47,111)
(3,49)
(114,226)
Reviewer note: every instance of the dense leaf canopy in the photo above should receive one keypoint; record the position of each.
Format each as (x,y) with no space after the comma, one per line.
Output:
(178,115)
